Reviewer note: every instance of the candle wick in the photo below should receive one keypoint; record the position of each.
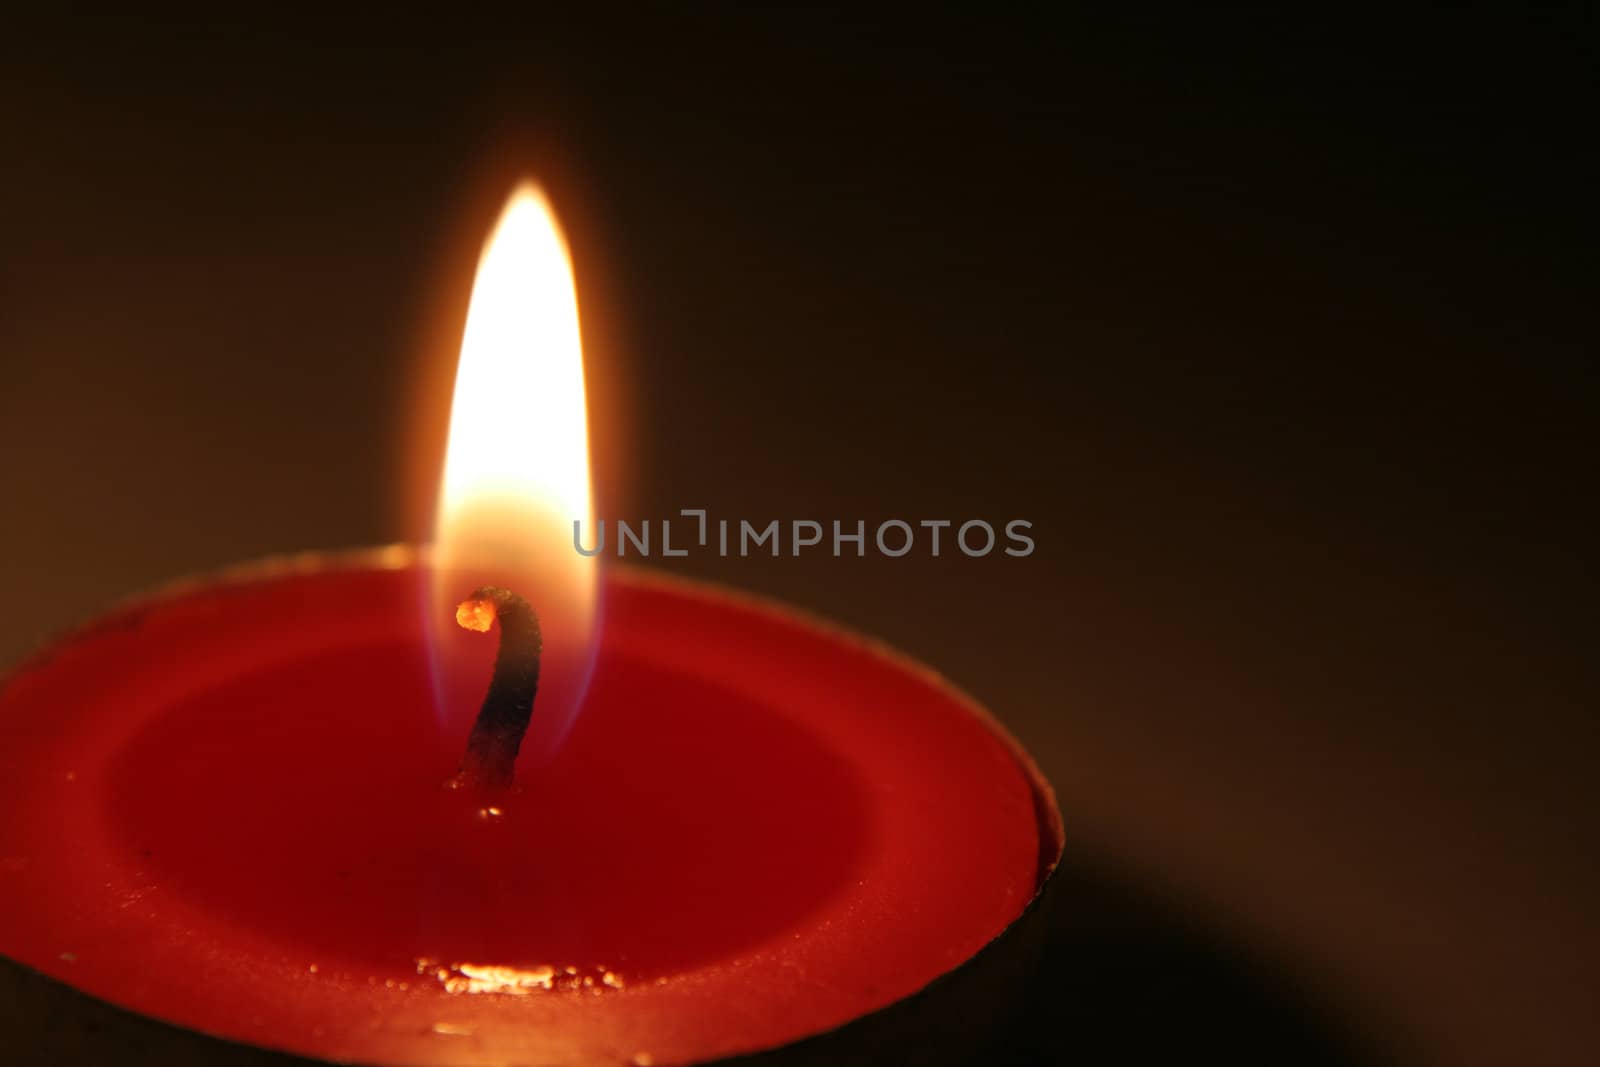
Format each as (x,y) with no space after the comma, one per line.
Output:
(490,760)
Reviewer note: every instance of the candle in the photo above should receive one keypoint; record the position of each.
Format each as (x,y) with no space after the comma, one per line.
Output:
(263,806)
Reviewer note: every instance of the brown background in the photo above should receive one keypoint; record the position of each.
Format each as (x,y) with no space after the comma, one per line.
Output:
(1273,330)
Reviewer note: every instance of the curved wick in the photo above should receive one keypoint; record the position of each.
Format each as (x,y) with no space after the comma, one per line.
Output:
(491,757)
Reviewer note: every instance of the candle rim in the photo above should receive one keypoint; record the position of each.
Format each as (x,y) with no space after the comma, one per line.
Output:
(398,556)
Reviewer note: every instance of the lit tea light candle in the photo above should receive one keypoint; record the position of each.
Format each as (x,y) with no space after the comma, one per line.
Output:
(687,824)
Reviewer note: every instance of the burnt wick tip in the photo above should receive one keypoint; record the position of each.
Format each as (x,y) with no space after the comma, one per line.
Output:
(491,756)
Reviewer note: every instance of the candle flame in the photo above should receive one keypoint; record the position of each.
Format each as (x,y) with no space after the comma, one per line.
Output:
(516,472)
(519,425)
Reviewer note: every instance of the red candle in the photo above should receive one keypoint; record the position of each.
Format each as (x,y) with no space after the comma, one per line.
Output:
(225,807)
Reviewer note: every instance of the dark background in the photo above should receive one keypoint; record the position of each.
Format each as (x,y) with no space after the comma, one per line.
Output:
(1277,329)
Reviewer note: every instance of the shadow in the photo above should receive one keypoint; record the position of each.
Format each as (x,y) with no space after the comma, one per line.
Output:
(1130,975)
(1100,970)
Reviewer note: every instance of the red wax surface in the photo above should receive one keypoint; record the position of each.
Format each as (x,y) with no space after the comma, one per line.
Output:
(222,807)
